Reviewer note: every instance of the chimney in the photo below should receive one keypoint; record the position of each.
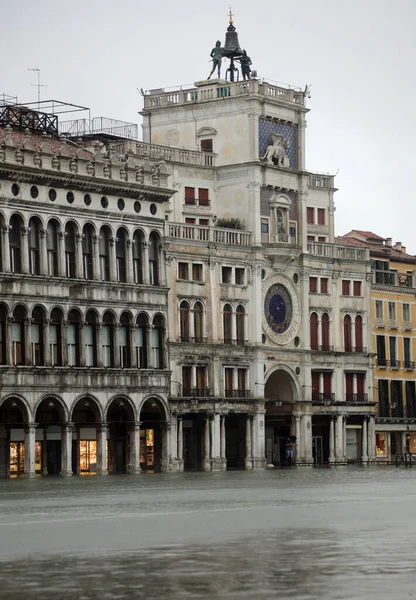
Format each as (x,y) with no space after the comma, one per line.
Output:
(404,249)
(389,242)
(398,246)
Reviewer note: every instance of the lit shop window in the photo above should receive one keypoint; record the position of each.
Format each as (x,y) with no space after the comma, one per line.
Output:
(381,444)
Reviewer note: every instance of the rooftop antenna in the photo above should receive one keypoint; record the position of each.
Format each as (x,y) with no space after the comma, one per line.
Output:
(38,84)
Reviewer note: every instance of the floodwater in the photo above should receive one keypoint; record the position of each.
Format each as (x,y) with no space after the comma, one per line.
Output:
(305,533)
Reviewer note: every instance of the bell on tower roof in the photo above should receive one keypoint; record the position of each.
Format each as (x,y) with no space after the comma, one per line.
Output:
(232,51)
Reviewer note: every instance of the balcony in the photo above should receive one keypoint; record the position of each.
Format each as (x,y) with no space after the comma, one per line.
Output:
(380,323)
(323,398)
(409,365)
(237,394)
(325,348)
(186,339)
(356,397)
(392,323)
(338,252)
(382,363)
(215,235)
(407,325)
(395,364)
(196,393)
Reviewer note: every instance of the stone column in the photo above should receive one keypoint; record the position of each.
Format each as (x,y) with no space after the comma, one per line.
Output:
(61,254)
(297,434)
(249,458)
(146,269)
(129,259)
(116,342)
(99,342)
(364,456)
(25,249)
(44,453)
(30,438)
(6,249)
(307,432)
(82,357)
(216,443)
(28,344)
(47,359)
(339,445)
(165,445)
(79,269)
(180,444)
(344,442)
(102,448)
(174,442)
(132,340)
(112,258)
(372,438)
(43,252)
(207,457)
(96,257)
(223,444)
(66,446)
(404,440)
(258,431)
(135,448)
(353,335)
(331,440)
(319,336)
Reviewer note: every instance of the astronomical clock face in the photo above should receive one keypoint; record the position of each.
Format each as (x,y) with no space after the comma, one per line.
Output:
(281,314)
(278,308)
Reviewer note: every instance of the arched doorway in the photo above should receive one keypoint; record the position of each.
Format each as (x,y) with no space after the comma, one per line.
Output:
(120,420)
(153,436)
(50,416)
(89,448)
(280,394)
(15,459)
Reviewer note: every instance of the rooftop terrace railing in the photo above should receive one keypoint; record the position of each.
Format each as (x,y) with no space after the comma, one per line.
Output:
(340,252)
(216,235)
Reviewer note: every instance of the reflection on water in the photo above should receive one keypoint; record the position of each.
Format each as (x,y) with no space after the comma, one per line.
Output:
(310,564)
(343,534)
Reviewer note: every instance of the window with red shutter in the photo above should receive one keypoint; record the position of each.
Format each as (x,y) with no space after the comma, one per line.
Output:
(314,331)
(347,334)
(321,216)
(206,145)
(349,387)
(345,287)
(324,285)
(189,195)
(360,386)
(327,385)
(358,333)
(325,332)
(203,197)
(313,285)
(315,385)
(357,288)
(310,215)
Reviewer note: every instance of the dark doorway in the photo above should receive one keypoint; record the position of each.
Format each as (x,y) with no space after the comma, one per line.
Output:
(53,456)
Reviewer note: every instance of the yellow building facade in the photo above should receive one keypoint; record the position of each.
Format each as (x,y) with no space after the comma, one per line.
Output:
(393,314)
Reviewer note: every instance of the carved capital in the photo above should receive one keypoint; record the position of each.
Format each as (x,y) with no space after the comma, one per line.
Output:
(43,233)
(335,276)
(25,230)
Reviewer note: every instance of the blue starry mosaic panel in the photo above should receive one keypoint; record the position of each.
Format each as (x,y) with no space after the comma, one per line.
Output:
(269,126)
(278,308)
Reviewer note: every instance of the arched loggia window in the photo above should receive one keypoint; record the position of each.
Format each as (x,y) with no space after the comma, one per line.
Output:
(325,332)
(227,316)
(121,242)
(90,339)
(347,334)
(36,328)
(52,248)
(240,324)
(154,258)
(70,250)
(19,335)
(87,249)
(358,333)
(55,337)
(105,236)
(15,244)
(34,246)
(138,239)
(107,339)
(313,324)
(158,334)
(184,321)
(124,341)
(199,322)
(73,338)
(3,340)
(141,341)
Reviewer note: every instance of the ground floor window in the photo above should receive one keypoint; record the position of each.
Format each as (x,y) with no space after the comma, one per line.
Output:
(381,445)
(411,437)
(88,456)
(147,449)
(17,457)
(353,435)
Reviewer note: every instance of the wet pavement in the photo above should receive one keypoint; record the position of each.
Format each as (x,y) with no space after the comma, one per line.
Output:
(346,532)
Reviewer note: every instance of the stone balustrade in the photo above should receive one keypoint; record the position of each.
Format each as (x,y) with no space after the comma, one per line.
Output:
(316,180)
(340,252)
(216,235)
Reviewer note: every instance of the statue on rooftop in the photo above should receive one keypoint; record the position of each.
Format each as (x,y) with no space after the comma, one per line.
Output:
(216,57)
(245,62)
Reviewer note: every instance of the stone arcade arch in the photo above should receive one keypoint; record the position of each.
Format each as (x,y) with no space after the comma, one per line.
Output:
(153,435)
(121,428)
(89,448)
(51,417)
(280,394)
(17,438)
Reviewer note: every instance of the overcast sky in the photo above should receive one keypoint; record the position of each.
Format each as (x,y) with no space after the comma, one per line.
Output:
(358,56)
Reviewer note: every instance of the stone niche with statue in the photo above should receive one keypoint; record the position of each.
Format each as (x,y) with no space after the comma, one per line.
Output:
(280,207)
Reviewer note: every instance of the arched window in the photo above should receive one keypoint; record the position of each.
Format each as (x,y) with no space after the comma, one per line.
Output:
(72,338)
(3,329)
(358,333)
(154,258)
(121,255)
(138,256)
(124,341)
(15,244)
(157,342)
(141,341)
(34,246)
(240,325)
(87,257)
(347,334)
(70,251)
(37,350)
(227,316)
(313,324)
(105,236)
(325,332)
(107,340)
(52,248)
(90,339)
(55,337)
(184,321)
(199,322)
(18,335)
